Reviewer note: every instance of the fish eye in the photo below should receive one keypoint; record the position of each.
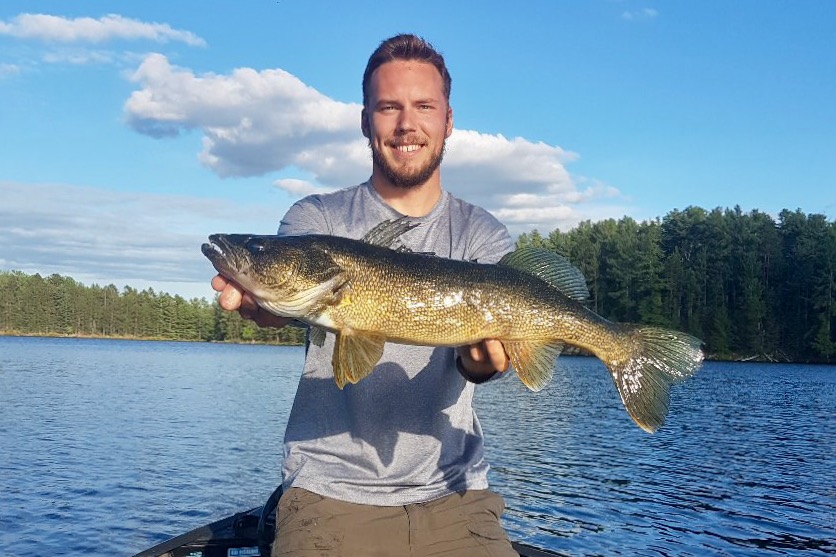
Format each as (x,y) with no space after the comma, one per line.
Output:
(255,245)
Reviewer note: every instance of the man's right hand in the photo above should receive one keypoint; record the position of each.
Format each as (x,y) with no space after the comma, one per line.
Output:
(235,298)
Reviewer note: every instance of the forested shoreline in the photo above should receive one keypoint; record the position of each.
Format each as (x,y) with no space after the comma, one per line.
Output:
(751,287)
(60,306)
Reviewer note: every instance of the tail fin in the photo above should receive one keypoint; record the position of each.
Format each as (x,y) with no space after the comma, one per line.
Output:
(652,361)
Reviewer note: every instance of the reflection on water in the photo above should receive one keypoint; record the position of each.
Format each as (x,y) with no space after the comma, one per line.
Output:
(111,446)
(744,466)
(107,447)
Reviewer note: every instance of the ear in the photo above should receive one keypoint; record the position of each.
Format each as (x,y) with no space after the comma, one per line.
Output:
(364,123)
(449,121)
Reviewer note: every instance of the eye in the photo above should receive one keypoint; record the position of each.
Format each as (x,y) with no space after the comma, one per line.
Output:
(256,245)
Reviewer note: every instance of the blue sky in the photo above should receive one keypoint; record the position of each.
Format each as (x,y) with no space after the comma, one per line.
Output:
(129,131)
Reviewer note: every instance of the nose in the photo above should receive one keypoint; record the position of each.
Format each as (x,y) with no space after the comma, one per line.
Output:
(406,120)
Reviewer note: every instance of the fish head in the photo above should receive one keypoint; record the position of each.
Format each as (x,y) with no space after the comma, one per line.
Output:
(283,273)
(260,264)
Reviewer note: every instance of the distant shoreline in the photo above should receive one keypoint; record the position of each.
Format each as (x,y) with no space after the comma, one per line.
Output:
(710,357)
(138,338)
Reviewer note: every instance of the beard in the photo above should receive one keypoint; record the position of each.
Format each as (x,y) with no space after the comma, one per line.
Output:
(406,178)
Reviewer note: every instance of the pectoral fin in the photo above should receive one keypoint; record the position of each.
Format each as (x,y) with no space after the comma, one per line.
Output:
(355,356)
(316,335)
(534,361)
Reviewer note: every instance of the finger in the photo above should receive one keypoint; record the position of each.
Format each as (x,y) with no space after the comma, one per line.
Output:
(497,355)
(219,282)
(477,353)
(231,297)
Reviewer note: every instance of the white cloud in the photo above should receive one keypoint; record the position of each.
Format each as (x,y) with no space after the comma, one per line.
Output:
(53,28)
(523,212)
(299,188)
(78,57)
(644,13)
(7,70)
(105,236)
(253,122)
(258,122)
(533,163)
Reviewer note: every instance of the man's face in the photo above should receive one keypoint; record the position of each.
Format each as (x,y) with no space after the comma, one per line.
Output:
(407,121)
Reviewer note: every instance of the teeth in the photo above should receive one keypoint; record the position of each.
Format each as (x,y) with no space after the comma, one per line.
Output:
(408,148)
(217,248)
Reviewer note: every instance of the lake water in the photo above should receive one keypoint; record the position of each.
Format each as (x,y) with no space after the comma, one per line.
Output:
(108,447)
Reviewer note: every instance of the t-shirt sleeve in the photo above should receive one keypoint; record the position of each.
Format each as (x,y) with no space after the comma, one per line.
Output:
(490,239)
(306,216)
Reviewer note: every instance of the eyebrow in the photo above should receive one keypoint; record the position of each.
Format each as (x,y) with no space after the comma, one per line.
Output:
(428,100)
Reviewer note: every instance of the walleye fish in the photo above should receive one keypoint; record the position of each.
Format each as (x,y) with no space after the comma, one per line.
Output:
(368,294)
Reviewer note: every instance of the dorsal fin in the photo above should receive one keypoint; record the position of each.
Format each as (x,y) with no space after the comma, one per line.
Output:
(385,233)
(552,268)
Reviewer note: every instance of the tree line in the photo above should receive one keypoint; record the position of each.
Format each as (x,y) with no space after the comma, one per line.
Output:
(60,306)
(748,285)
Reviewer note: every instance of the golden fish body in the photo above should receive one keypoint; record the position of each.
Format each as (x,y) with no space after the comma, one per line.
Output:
(369,294)
(426,300)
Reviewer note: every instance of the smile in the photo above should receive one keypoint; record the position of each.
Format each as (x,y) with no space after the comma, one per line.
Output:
(408,148)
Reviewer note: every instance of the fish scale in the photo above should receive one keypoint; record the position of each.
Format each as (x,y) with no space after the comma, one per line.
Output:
(368,294)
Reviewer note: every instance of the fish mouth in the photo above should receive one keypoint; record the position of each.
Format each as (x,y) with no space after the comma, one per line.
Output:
(222,255)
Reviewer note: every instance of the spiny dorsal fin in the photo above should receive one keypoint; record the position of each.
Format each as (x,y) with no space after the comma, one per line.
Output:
(550,267)
(355,356)
(385,233)
(534,361)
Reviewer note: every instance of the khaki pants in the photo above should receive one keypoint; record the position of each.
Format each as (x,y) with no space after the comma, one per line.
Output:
(463,524)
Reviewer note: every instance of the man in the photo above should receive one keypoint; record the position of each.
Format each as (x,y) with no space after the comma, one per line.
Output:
(393,465)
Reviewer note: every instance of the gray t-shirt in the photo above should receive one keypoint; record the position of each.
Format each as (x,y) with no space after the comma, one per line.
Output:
(408,432)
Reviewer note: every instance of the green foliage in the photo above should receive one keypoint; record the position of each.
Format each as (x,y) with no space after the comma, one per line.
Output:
(58,306)
(747,285)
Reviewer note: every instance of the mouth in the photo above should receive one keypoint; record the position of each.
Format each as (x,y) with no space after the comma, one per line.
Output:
(407,145)
(408,148)
(218,251)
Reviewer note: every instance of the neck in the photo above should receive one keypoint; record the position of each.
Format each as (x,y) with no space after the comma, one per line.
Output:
(412,202)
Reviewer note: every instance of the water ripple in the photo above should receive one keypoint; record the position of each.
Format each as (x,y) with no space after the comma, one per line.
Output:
(742,467)
(130,443)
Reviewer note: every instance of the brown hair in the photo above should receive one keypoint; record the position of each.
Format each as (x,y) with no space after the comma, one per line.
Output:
(406,47)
